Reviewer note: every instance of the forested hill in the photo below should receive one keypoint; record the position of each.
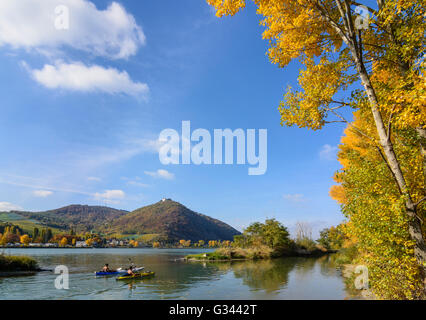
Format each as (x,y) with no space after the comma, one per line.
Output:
(80,217)
(175,221)
(167,218)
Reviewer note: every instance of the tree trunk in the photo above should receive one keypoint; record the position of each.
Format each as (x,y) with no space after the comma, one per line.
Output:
(422,134)
(414,225)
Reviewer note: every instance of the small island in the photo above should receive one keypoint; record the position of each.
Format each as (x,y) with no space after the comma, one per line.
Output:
(265,241)
(16,265)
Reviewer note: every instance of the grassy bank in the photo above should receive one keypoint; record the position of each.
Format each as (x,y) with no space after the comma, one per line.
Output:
(348,273)
(227,254)
(346,259)
(17,263)
(255,253)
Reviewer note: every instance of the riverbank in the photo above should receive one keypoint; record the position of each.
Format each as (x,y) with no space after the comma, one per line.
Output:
(348,273)
(13,264)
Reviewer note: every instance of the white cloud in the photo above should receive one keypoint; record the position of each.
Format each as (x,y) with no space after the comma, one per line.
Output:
(7,206)
(110,195)
(30,24)
(161,173)
(38,184)
(42,193)
(79,77)
(297,197)
(137,184)
(328,152)
(94,179)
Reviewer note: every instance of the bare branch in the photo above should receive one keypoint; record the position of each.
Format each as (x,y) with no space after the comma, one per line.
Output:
(335,121)
(420,201)
(342,104)
(389,123)
(351,125)
(332,23)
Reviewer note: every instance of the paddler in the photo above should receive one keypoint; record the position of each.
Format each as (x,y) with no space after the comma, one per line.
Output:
(106,268)
(130,271)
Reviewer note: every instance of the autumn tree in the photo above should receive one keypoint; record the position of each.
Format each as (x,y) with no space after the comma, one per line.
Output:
(333,237)
(213,243)
(343,50)
(271,233)
(89,242)
(10,237)
(25,239)
(226,243)
(63,242)
(371,201)
(134,243)
(3,240)
(156,244)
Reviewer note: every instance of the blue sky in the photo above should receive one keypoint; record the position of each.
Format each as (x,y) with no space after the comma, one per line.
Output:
(82,109)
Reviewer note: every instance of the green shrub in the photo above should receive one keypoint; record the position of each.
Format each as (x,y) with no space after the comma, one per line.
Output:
(306,243)
(346,255)
(17,263)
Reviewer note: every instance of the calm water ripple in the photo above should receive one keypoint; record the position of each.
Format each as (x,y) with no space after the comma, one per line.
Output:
(289,278)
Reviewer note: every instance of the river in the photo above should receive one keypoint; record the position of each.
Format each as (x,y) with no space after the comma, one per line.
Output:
(287,278)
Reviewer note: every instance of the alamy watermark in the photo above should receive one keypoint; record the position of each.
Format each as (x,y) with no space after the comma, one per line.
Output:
(62,18)
(62,281)
(179,149)
(361,281)
(363,18)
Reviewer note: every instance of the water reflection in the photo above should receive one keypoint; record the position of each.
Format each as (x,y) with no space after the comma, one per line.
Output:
(269,275)
(289,278)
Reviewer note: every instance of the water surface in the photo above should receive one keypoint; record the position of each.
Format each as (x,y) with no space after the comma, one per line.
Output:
(287,278)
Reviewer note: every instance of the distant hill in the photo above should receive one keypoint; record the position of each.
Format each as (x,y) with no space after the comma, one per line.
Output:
(173,220)
(80,217)
(166,218)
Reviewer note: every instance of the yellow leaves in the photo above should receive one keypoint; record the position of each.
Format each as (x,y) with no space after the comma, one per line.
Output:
(63,242)
(156,244)
(185,243)
(403,96)
(25,239)
(213,243)
(376,209)
(295,110)
(134,243)
(319,82)
(293,28)
(338,193)
(226,7)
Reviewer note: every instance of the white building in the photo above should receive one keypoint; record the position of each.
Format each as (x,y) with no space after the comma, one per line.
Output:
(80,244)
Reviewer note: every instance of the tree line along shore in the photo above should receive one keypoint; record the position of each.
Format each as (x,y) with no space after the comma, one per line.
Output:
(13,236)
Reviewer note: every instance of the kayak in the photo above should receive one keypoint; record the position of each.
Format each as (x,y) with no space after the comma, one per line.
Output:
(117,272)
(101,273)
(136,275)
